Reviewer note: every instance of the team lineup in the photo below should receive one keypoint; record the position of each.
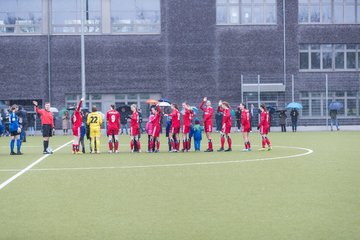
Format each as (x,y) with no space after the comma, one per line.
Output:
(94,120)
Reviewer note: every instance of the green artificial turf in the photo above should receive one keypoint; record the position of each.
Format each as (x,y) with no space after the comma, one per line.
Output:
(195,195)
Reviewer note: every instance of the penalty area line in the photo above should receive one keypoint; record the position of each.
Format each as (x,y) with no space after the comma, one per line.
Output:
(11,179)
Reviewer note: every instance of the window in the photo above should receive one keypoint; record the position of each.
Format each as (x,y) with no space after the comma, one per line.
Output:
(135,16)
(20,16)
(242,12)
(329,11)
(330,57)
(66,16)
(315,105)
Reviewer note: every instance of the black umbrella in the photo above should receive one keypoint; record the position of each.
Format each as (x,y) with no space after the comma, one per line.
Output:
(164,100)
(271,109)
(124,109)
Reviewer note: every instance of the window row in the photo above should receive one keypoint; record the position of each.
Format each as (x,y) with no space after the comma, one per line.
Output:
(315,104)
(329,11)
(244,12)
(124,16)
(329,57)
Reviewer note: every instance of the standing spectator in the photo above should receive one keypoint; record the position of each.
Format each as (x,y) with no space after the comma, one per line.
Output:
(123,121)
(198,129)
(253,116)
(218,119)
(47,123)
(15,130)
(168,131)
(142,129)
(31,124)
(22,114)
(65,123)
(1,126)
(294,118)
(238,119)
(283,117)
(334,120)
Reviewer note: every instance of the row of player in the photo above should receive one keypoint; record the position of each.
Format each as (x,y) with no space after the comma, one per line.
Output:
(94,121)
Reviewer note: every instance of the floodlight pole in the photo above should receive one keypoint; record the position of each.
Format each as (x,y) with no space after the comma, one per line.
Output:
(293,88)
(326,99)
(284,23)
(83,93)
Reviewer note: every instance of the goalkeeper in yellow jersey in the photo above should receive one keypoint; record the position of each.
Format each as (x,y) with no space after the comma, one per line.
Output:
(94,120)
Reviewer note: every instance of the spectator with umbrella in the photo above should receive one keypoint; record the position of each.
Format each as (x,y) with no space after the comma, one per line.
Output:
(334,108)
(294,118)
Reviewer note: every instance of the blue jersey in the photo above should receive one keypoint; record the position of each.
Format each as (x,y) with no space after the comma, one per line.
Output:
(13,122)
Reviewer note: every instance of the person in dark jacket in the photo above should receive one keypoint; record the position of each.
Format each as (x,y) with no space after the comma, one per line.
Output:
(22,114)
(294,118)
(283,118)
(238,119)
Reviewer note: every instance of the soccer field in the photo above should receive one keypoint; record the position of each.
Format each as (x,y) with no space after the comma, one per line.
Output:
(307,187)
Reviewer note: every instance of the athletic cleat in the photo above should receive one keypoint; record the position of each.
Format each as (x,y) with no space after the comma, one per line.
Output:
(209,150)
(92,152)
(245,150)
(19,153)
(220,150)
(12,153)
(117,151)
(228,150)
(110,151)
(262,149)
(269,148)
(249,150)
(98,152)
(73,152)
(157,150)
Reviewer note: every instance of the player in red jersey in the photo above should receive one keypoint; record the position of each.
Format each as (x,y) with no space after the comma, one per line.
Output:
(113,126)
(76,120)
(208,124)
(245,123)
(226,126)
(188,114)
(154,138)
(264,127)
(134,128)
(175,127)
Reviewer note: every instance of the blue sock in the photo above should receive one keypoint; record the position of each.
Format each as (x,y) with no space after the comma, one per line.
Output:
(18,144)
(12,144)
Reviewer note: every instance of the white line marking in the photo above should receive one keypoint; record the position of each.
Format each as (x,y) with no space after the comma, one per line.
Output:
(7,182)
(308,151)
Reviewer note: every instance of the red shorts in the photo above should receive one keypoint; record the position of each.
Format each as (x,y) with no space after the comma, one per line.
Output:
(208,128)
(175,130)
(186,129)
(76,131)
(245,129)
(226,129)
(156,131)
(264,130)
(134,131)
(112,131)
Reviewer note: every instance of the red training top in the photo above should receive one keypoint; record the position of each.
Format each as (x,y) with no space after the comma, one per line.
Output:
(208,113)
(245,118)
(113,119)
(76,119)
(175,118)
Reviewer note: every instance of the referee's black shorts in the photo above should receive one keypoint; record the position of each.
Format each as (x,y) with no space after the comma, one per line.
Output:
(47,130)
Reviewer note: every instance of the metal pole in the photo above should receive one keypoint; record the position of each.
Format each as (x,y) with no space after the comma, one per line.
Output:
(83,93)
(326,99)
(242,90)
(284,24)
(292,88)
(258,90)
(49,53)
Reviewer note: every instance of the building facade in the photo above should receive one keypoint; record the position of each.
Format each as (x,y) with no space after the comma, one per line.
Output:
(271,51)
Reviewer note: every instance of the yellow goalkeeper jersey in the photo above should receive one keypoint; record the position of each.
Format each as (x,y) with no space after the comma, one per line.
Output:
(94,120)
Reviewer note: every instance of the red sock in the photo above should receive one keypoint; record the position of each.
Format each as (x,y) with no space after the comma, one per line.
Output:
(132,145)
(184,145)
(73,147)
(110,145)
(249,146)
(77,148)
(157,145)
(263,142)
(116,145)
(246,146)
(177,145)
(173,144)
(210,144)
(188,144)
(229,141)
(222,141)
(267,141)
(138,145)
(151,145)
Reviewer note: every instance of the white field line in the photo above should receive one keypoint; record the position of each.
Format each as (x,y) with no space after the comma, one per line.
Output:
(307,152)
(7,182)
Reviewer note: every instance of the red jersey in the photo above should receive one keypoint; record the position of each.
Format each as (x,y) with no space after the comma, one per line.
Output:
(208,114)
(46,117)
(226,117)
(187,117)
(265,119)
(113,119)
(156,120)
(76,119)
(134,122)
(245,118)
(175,118)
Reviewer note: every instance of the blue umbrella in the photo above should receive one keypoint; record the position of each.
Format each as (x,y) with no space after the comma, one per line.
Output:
(195,109)
(294,105)
(336,106)
(164,100)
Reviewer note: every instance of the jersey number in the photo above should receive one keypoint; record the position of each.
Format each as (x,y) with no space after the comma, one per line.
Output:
(93,119)
(112,118)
